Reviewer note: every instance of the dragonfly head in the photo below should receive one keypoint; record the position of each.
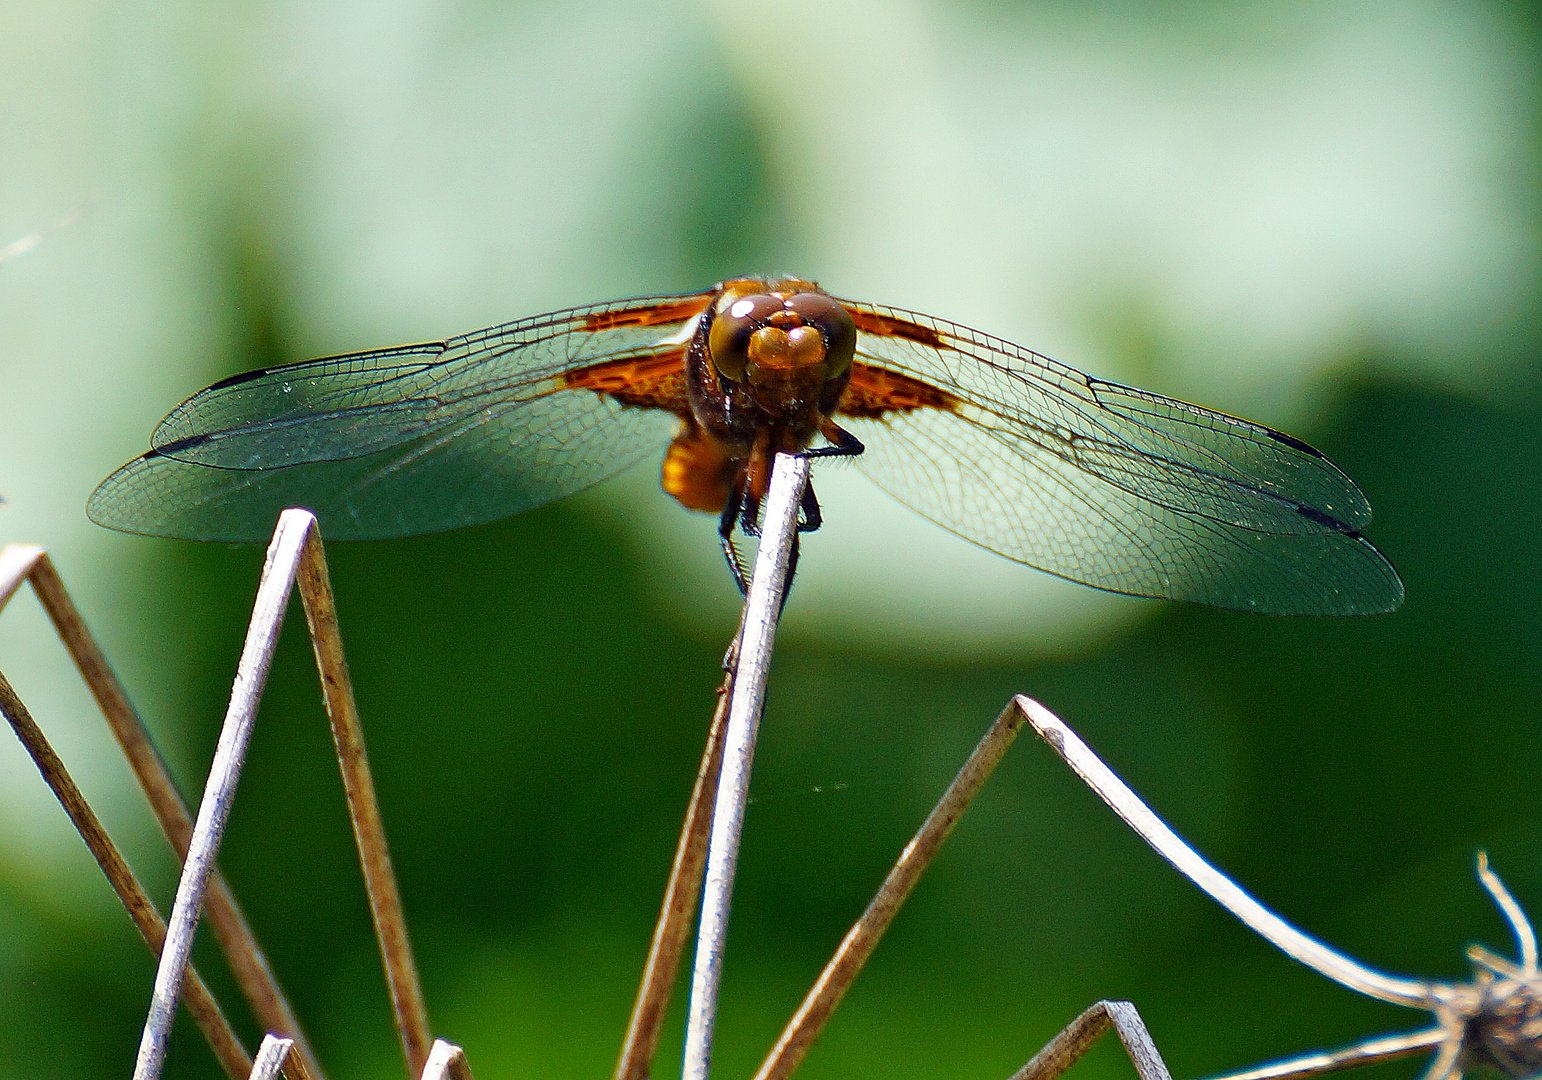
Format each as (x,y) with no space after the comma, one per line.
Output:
(780,337)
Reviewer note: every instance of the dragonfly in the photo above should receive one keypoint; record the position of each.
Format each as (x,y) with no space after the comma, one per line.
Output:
(1104,484)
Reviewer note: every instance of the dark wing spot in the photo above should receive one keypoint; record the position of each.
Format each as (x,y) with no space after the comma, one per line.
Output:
(1311,513)
(1293,442)
(421,356)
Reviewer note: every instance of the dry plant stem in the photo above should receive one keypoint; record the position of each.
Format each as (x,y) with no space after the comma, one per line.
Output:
(209,827)
(1074,1040)
(249,963)
(1490,1021)
(1369,1052)
(1446,1058)
(385,902)
(446,1061)
(860,941)
(789,478)
(1281,934)
(201,1005)
(1520,925)
(280,1057)
(681,892)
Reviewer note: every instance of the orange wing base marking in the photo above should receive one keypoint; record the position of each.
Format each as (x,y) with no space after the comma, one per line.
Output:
(874,391)
(873,322)
(646,314)
(653,382)
(698,470)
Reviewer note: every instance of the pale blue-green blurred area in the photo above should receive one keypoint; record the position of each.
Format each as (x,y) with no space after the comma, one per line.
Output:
(1322,216)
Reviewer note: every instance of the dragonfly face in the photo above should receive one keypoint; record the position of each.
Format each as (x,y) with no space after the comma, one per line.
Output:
(781,356)
(1116,487)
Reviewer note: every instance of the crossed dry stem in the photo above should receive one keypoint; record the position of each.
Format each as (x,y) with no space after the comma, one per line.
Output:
(294,558)
(1494,1020)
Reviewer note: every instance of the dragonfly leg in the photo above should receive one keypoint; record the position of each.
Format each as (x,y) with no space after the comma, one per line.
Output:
(743,509)
(792,570)
(809,515)
(745,506)
(842,443)
(749,515)
(725,532)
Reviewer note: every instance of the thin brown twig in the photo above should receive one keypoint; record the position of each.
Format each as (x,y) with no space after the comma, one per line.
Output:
(385,901)
(860,941)
(295,543)
(681,893)
(201,1005)
(446,1061)
(1074,1040)
(1366,1052)
(248,961)
(273,590)
(279,1057)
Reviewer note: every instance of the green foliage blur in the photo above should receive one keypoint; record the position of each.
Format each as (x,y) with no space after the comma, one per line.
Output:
(1322,216)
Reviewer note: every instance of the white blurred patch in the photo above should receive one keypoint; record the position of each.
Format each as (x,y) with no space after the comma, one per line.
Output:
(1274,192)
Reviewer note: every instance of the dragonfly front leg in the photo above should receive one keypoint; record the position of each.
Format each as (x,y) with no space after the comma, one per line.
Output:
(725,531)
(842,442)
(744,506)
(809,515)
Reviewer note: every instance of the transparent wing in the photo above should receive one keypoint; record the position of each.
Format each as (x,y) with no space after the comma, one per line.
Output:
(1108,485)
(480,469)
(415,439)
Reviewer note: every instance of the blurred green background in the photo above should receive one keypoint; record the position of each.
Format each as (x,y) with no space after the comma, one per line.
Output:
(1324,216)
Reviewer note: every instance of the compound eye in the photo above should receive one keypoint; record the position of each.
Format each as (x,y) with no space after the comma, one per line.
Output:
(728,342)
(834,325)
